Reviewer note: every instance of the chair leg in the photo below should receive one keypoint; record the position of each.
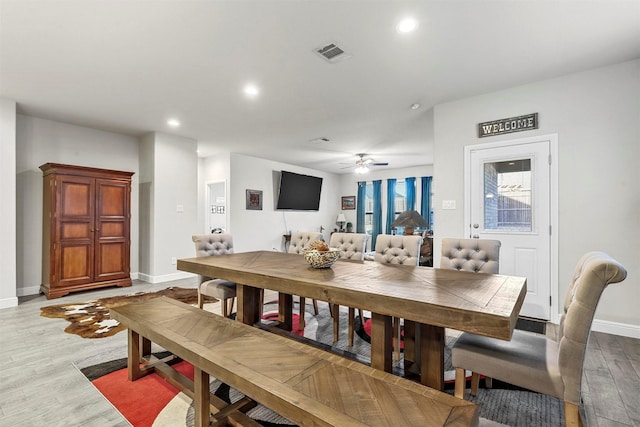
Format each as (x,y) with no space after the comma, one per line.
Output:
(302,310)
(200,299)
(488,383)
(572,415)
(315,307)
(396,339)
(352,315)
(233,301)
(461,382)
(224,307)
(475,381)
(335,312)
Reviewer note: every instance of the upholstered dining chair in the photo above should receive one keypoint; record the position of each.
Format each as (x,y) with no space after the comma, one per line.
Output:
(398,249)
(223,290)
(352,247)
(479,255)
(542,363)
(298,243)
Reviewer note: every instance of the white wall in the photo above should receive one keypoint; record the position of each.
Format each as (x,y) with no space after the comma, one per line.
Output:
(172,203)
(8,221)
(596,115)
(263,230)
(40,141)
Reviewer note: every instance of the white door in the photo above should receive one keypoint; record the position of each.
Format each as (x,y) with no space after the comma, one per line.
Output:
(508,198)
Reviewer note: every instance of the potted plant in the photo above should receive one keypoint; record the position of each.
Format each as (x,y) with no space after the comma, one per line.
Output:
(349,227)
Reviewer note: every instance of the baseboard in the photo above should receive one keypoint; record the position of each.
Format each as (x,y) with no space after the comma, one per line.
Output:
(8,302)
(134,276)
(165,277)
(29,290)
(615,328)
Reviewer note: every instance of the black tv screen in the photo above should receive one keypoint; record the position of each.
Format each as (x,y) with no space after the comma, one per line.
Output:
(299,192)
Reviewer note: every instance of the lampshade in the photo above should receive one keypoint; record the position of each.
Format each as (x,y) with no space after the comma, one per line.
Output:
(341,219)
(409,219)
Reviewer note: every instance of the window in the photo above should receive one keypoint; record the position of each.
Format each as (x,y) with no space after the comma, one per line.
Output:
(368,209)
(507,195)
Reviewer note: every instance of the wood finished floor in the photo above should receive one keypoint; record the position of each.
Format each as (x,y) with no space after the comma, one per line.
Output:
(40,386)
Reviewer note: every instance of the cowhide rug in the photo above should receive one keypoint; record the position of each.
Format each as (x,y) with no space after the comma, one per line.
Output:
(91,319)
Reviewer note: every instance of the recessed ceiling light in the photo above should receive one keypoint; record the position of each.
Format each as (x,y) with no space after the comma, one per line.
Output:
(415,106)
(251,90)
(174,123)
(406,25)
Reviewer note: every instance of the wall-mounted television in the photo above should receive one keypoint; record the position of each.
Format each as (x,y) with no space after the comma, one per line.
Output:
(299,192)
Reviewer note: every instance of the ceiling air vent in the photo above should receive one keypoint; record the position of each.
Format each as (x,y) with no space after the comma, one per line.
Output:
(332,52)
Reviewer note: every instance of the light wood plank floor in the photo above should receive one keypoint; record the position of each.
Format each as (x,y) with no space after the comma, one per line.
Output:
(40,386)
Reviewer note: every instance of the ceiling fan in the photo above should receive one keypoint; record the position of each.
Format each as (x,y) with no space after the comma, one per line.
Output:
(362,165)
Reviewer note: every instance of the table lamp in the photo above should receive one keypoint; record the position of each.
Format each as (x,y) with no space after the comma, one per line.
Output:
(409,220)
(340,221)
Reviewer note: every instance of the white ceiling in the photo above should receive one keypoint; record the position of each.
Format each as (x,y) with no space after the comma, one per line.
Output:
(128,66)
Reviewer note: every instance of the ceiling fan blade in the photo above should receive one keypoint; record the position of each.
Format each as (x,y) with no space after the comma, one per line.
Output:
(379,164)
(348,167)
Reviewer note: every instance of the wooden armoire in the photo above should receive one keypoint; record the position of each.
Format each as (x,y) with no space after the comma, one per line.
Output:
(85,233)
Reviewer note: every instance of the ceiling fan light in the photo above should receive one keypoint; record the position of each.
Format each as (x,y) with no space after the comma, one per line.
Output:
(362,169)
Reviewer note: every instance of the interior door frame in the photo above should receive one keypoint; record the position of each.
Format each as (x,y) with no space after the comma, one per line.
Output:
(556,304)
(208,202)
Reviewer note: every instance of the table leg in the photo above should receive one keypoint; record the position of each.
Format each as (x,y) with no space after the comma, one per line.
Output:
(381,342)
(285,311)
(133,358)
(432,344)
(248,304)
(201,397)
(410,339)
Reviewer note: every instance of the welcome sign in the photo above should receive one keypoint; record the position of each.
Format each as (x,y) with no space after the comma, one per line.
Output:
(512,124)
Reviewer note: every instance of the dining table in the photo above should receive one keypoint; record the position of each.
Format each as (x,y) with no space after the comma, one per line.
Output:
(428,299)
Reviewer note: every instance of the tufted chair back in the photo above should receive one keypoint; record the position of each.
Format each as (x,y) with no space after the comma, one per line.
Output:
(351,245)
(594,271)
(398,249)
(213,245)
(301,239)
(478,255)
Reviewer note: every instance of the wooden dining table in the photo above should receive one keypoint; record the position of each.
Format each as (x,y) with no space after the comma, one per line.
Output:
(428,299)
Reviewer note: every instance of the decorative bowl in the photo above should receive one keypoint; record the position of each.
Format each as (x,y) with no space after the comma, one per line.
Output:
(321,259)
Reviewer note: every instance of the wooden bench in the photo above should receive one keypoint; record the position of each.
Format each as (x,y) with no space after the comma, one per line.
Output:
(307,385)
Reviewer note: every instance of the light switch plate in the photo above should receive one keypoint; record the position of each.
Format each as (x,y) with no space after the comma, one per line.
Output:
(448,204)
(179,208)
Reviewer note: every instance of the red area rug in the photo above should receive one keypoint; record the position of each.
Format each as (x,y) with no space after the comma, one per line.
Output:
(140,401)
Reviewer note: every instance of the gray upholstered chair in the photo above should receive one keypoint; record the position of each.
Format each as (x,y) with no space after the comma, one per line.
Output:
(479,255)
(537,362)
(398,249)
(352,246)
(214,245)
(298,243)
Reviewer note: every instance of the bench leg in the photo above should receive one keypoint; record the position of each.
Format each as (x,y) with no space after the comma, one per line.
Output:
(201,397)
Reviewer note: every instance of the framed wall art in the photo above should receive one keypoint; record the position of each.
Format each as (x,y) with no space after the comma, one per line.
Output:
(348,203)
(254,200)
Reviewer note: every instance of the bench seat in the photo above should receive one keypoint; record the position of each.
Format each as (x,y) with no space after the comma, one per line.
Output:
(307,385)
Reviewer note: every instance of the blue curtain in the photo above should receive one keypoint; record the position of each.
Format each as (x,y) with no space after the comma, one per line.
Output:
(411,193)
(360,206)
(377,212)
(425,205)
(391,203)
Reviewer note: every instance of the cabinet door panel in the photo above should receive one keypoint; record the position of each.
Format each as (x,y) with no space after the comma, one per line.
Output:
(73,256)
(75,265)
(112,229)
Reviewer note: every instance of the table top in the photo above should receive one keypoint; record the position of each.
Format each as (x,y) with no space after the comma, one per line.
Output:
(305,384)
(485,304)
